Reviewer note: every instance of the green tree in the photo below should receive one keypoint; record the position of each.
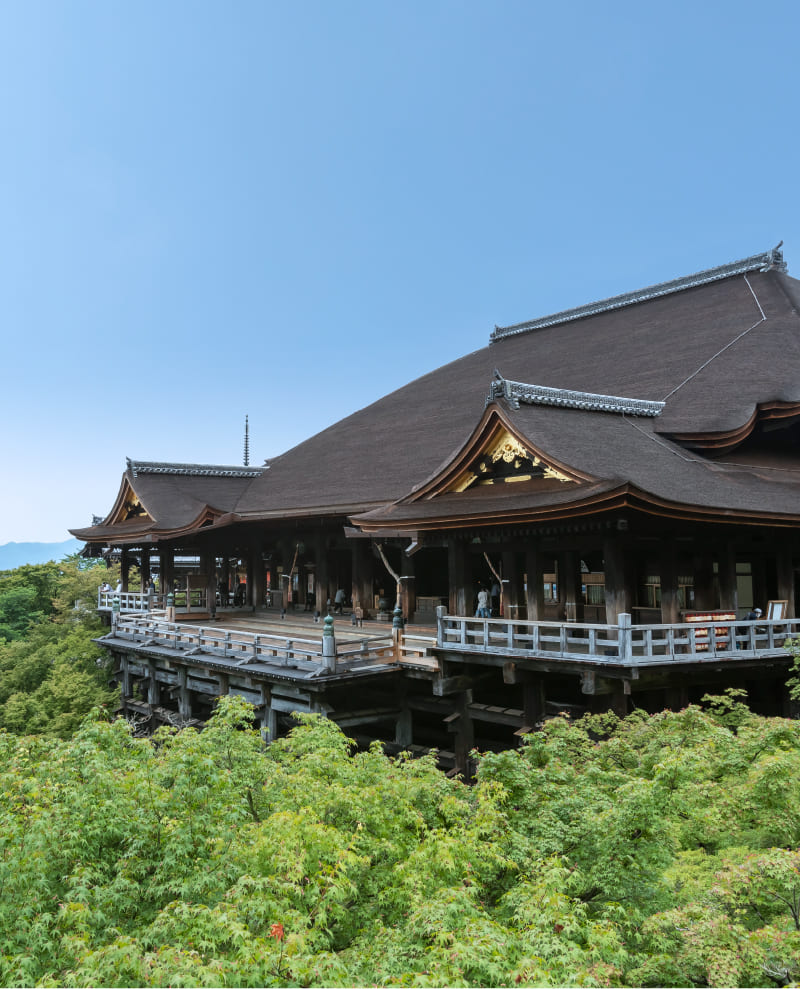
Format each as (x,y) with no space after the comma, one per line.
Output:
(646,851)
(51,672)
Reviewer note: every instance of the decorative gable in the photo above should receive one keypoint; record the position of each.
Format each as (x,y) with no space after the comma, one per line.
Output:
(127,506)
(507,460)
(496,454)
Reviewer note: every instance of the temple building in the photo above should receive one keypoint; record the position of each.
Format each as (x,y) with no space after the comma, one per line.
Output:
(638,456)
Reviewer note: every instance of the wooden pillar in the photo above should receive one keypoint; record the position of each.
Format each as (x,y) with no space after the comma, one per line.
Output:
(125,686)
(255,576)
(676,698)
(184,696)
(153,687)
(728,591)
(409,585)
(668,573)
(617,567)
(225,580)
(269,716)
(535,590)
(785,580)
(459,574)
(125,567)
(167,563)
(207,570)
(618,699)
(404,726)
(463,729)
(251,569)
(323,572)
(759,581)
(569,585)
(511,590)
(533,700)
(363,566)
(704,591)
(145,567)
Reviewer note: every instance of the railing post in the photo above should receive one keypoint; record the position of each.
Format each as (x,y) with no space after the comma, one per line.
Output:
(397,632)
(441,611)
(624,637)
(329,645)
(115,611)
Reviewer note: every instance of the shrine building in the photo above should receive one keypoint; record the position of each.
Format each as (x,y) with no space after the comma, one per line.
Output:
(637,457)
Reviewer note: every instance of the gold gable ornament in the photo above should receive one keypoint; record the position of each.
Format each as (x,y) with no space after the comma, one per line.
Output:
(506,461)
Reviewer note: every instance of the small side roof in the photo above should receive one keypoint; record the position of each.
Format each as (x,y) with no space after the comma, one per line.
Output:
(157,499)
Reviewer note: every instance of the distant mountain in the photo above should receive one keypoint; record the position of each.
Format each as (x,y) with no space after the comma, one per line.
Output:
(13,555)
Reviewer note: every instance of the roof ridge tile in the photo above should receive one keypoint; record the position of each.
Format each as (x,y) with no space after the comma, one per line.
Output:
(138,467)
(767,261)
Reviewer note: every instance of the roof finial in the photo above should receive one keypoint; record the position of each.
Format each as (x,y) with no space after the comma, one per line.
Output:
(246,442)
(775,260)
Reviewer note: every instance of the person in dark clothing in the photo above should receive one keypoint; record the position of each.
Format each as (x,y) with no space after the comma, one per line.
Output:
(753,615)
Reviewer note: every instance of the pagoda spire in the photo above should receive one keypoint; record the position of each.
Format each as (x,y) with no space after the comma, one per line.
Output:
(246,442)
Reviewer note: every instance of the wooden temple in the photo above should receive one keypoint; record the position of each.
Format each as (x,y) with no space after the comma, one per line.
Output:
(619,475)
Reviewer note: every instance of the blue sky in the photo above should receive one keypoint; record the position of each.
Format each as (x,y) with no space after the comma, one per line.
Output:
(287,209)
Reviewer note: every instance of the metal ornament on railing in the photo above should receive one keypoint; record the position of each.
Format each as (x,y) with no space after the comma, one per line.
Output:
(329,644)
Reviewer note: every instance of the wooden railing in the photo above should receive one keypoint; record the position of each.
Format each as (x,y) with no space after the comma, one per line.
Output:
(128,601)
(623,644)
(245,647)
(133,601)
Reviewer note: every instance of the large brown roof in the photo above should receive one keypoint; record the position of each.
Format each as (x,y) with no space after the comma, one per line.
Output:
(713,349)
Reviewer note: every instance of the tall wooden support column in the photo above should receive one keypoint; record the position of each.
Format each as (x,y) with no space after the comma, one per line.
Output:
(323,573)
(407,569)
(363,564)
(269,716)
(785,575)
(125,686)
(676,698)
(250,571)
(125,567)
(225,580)
(535,590)
(184,696)
(207,567)
(167,561)
(459,574)
(153,687)
(145,567)
(255,577)
(464,731)
(760,595)
(728,591)
(569,580)
(533,700)
(404,726)
(616,563)
(512,586)
(618,700)
(668,569)
(704,591)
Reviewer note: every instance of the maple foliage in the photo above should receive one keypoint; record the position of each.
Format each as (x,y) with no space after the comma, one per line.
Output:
(657,850)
